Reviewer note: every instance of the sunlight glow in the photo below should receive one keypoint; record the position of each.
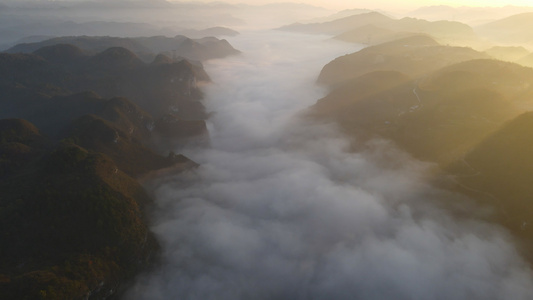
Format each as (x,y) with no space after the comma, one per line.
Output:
(348,4)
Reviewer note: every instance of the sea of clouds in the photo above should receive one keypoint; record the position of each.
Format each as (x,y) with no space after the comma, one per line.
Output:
(280,208)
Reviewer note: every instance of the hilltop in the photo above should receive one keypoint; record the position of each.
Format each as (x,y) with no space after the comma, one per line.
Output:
(415,56)
(381,28)
(79,131)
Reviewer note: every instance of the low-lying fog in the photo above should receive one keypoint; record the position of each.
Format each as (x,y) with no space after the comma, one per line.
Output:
(280,209)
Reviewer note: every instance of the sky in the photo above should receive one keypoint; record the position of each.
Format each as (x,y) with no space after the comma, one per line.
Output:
(345,4)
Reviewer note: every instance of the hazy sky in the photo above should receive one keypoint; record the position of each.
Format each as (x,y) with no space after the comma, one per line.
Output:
(343,4)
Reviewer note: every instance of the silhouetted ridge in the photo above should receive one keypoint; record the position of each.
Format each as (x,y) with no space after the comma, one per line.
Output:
(340,25)
(146,48)
(162,59)
(18,130)
(116,57)
(61,53)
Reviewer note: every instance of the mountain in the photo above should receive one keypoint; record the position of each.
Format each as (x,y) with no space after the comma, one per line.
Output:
(72,223)
(372,35)
(512,54)
(473,119)
(343,14)
(414,56)
(19,26)
(498,172)
(526,61)
(340,25)
(144,47)
(115,58)
(209,32)
(348,27)
(61,54)
(473,16)
(510,30)
(73,211)
(90,44)
(159,89)
(438,117)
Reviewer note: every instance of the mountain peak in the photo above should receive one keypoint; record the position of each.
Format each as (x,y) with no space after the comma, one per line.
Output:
(116,57)
(60,53)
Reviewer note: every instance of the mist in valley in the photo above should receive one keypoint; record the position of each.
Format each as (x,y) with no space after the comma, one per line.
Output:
(281,208)
(223,151)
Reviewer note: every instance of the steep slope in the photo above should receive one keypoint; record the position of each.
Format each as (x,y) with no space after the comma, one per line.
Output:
(72,216)
(72,227)
(160,89)
(499,173)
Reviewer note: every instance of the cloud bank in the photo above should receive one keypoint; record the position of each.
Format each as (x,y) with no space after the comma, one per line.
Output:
(281,209)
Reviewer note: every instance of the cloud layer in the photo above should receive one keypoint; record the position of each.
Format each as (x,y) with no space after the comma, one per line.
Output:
(281,209)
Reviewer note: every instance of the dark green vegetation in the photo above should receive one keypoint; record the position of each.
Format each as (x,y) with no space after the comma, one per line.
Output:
(77,134)
(162,87)
(447,105)
(144,47)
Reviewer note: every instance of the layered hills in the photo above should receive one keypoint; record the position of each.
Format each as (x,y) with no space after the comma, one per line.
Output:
(380,28)
(159,88)
(414,55)
(437,108)
(144,47)
(498,172)
(77,132)
(510,30)
(459,109)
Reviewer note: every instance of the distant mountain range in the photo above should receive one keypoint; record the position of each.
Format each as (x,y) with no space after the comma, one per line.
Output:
(373,23)
(510,30)
(474,16)
(414,56)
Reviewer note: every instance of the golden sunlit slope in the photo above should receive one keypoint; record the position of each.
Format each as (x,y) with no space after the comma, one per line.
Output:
(527,61)
(414,56)
(436,115)
(511,30)
(512,54)
(472,118)
(501,167)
